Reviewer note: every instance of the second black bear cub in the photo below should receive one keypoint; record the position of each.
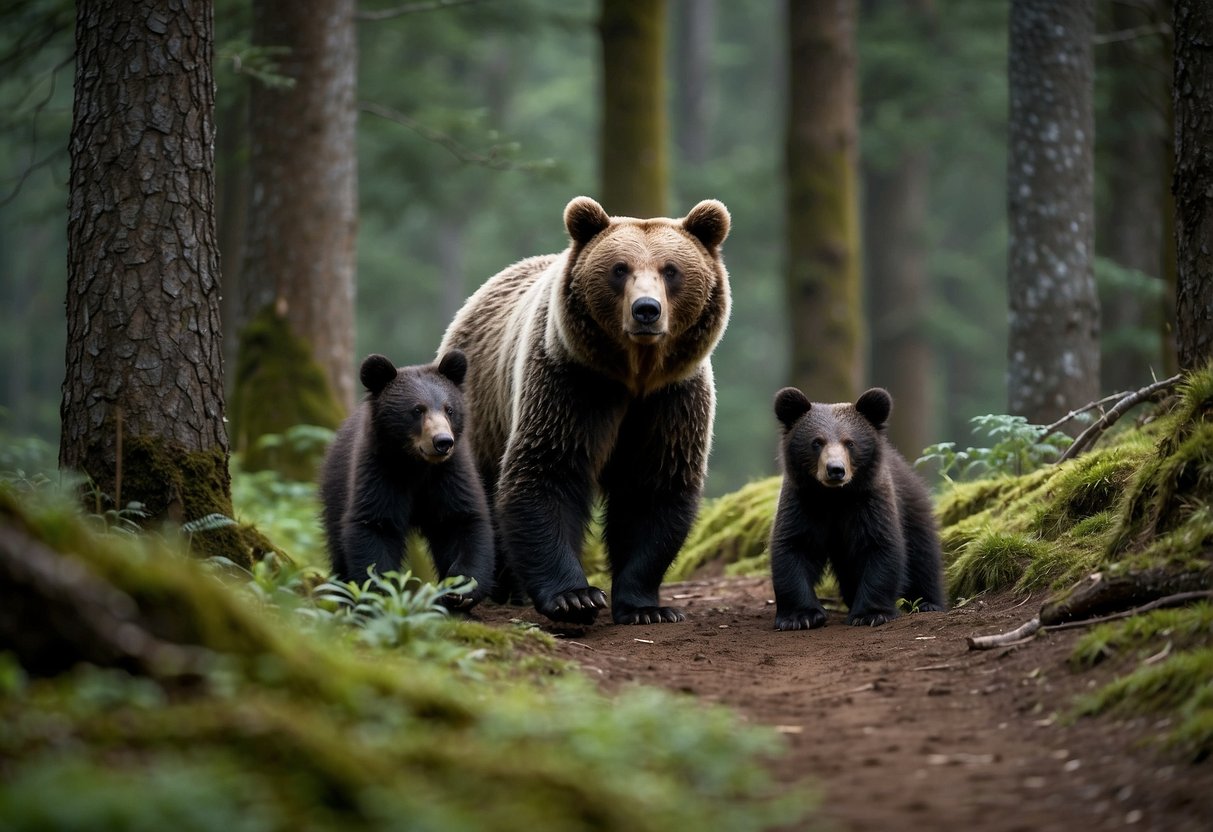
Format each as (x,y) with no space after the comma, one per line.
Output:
(851,499)
(398,463)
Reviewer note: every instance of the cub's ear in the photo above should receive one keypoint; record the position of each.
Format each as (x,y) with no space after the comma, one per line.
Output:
(454,365)
(584,218)
(875,405)
(790,405)
(709,222)
(377,372)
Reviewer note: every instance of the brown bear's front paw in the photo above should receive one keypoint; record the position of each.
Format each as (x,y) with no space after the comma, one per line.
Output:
(805,619)
(574,606)
(870,618)
(627,614)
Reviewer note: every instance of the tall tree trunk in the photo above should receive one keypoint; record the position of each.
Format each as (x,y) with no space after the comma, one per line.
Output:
(1053,344)
(231,217)
(822,231)
(633,144)
(895,213)
(1193,102)
(298,277)
(696,33)
(143,403)
(1131,149)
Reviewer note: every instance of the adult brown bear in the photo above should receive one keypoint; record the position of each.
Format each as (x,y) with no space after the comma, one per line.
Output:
(590,374)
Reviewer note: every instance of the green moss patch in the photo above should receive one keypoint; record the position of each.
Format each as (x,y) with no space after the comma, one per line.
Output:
(289,722)
(731,534)
(278,386)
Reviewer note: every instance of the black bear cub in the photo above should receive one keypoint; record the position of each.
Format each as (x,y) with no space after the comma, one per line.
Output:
(397,463)
(850,498)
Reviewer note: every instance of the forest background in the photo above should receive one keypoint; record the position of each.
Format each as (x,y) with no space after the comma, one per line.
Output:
(493,122)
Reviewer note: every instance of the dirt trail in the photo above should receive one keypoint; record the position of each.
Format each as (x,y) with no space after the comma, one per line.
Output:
(902,726)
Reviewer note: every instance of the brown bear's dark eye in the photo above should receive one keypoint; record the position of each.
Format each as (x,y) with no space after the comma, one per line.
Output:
(817,443)
(850,444)
(619,271)
(670,272)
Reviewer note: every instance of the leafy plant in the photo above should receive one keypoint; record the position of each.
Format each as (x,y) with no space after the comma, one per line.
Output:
(1019,448)
(388,608)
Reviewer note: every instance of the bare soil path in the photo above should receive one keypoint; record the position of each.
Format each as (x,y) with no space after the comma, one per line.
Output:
(901,726)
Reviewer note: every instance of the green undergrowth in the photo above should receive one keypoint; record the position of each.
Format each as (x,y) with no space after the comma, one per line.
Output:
(287,718)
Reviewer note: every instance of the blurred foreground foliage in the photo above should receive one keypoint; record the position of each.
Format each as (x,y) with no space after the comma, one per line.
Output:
(143,689)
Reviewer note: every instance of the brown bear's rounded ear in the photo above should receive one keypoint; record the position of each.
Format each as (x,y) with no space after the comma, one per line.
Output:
(584,218)
(709,223)
(454,365)
(790,405)
(875,405)
(377,372)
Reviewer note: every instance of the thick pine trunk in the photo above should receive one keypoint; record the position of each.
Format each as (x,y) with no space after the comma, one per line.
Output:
(1053,343)
(822,232)
(1193,102)
(142,411)
(298,271)
(633,140)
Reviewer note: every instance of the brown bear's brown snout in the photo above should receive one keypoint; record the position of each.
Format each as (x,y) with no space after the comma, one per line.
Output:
(646,310)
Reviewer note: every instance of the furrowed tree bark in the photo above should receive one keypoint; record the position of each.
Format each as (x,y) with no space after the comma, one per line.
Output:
(822,274)
(144,371)
(634,171)
(1053,343)
(1193,103)
(299,262)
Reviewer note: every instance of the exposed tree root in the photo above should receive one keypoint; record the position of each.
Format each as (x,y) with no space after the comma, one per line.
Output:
(1026,631)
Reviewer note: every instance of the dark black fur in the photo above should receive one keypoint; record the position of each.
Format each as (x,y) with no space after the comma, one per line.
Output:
(649,481)
(375,484)
(877,531)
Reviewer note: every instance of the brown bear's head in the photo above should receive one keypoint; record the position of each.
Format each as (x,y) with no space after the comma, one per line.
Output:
(416,411)
(643,300)
(832,445)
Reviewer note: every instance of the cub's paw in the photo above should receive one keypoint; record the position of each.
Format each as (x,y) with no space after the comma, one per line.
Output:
(870,618)
(803,619)
(628,614)
(925,607)
(574,606)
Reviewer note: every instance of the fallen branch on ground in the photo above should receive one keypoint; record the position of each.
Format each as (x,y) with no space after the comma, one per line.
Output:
(1088,437)
(1030,628)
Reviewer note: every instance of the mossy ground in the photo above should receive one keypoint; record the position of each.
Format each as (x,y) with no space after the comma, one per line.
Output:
(291,725)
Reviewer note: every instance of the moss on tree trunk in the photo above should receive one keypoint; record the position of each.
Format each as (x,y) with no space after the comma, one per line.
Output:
(278,385)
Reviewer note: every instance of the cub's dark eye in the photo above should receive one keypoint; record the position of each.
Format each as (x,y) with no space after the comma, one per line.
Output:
(817,444)
(450,412)
(418,410)
(849,443)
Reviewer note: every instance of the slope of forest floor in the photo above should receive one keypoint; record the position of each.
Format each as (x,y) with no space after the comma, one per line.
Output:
(902,726)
